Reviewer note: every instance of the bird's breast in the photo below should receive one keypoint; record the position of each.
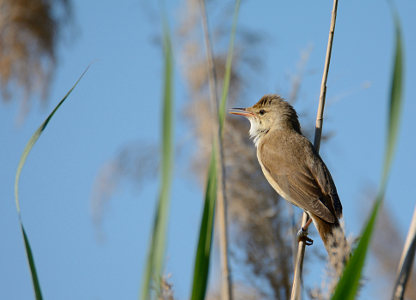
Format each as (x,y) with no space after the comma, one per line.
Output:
(272,182)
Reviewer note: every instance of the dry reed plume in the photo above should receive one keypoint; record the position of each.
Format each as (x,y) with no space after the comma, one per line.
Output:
(166,289)
(29,32)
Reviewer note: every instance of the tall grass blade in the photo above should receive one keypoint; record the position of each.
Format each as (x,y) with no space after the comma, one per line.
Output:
(395,104)
(156,252)
(349,282)
(203,253)
(26,151)
(228,64)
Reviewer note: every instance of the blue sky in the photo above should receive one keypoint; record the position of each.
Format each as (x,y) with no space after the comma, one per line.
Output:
(118,102)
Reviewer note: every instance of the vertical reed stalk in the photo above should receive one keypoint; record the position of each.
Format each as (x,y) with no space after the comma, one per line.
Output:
(406,261)
(297,280)
(226,289)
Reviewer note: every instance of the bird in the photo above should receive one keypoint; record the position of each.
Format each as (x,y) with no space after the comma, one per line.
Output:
(295,169)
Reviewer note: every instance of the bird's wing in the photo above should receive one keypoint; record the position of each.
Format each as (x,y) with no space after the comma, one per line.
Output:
(324,179)
(297,176)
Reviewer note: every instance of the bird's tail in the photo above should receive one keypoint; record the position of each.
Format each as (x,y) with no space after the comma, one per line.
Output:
(335,243)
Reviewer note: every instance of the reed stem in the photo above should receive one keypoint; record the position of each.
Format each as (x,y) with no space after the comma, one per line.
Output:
(297,280)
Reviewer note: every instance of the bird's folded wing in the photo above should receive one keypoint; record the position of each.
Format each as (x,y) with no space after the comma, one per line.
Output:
(297,181)
(323,177)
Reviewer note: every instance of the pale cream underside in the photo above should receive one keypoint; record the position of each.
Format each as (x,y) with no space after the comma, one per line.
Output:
(272,181)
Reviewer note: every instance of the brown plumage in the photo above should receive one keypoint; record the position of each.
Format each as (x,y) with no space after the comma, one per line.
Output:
(293,167)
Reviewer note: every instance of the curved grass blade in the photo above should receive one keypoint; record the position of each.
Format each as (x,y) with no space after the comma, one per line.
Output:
(203,253)
(33,140)
(26,151)
(349,282)
(156,252)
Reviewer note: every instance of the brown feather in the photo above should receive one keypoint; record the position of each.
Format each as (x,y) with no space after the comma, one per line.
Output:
(289,160)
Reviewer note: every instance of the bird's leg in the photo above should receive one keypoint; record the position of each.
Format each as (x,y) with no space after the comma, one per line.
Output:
(303,233)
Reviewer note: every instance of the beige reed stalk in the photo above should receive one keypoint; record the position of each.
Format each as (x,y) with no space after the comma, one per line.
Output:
(221,207)
(297,280)
(406,261)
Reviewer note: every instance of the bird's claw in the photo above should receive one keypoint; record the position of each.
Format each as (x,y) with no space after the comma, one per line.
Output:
(302,235)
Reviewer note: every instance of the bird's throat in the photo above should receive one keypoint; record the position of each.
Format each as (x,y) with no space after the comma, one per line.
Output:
(256,131)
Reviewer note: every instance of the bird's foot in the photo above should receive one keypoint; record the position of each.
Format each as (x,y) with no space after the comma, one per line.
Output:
(302,235)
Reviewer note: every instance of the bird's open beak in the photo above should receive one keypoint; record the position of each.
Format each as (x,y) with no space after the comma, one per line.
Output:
(241,112)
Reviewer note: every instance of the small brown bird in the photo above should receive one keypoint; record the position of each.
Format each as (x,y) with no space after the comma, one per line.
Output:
(293,167)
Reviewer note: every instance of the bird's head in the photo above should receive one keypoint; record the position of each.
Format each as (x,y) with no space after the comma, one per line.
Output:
(271,112)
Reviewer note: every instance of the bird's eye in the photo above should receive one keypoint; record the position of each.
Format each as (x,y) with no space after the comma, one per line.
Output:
(262,112)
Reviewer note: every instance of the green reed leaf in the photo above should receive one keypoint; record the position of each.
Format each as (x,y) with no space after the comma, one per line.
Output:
(26,151)
(349,282)
(156,252)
